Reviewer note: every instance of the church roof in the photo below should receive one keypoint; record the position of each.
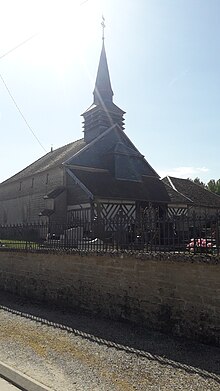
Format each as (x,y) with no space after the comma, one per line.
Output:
(193,192)
(94,154)
(112,107)
(175,196)
(103,91)
(50,160)
(104,185)
(121,148)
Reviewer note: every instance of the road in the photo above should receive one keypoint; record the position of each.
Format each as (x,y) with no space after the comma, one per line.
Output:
(5,386)
(77,352)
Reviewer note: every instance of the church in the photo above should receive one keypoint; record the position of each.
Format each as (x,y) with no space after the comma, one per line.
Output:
(102,175)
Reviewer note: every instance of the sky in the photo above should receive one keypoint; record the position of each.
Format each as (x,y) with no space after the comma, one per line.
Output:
(164,64)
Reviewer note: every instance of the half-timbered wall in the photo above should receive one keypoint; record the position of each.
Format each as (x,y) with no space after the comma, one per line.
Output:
(112,209)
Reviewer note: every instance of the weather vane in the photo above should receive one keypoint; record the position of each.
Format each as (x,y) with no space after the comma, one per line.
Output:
(103,27)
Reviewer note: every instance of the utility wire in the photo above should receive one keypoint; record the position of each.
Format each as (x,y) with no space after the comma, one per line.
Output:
(9,92)
(28,39)
(16,47)
(20,112)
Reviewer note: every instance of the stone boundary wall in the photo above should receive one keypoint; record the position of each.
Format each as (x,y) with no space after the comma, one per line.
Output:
(171,292)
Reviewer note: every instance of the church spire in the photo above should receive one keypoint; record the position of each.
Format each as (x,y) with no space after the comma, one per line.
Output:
(103,113)
(103,91)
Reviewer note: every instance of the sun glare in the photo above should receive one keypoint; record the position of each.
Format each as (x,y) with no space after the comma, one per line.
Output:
(65,28)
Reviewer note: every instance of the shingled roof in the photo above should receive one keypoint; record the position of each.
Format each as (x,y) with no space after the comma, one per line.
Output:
(175,196)
(50,160)
(193,192)
(104,185)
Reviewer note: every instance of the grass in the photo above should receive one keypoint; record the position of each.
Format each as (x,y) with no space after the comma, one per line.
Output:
(17,243)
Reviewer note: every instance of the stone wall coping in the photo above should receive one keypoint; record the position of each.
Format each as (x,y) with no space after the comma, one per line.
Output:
(126,254)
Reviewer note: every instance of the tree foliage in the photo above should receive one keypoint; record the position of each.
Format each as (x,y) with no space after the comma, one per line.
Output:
(199,182)
(213,185)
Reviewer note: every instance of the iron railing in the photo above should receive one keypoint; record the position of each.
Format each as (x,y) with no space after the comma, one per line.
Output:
(165,234)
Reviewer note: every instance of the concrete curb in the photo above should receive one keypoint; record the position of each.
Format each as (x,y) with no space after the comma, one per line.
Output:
(21,380)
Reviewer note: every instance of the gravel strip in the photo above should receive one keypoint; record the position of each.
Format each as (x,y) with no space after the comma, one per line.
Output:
(79,352)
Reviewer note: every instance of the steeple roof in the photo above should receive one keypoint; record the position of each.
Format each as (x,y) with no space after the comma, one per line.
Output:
(103,91)
(103,113)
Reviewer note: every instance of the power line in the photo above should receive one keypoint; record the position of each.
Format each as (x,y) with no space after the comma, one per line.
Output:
(9,92)
(28,39)
(20,112)
(16,47)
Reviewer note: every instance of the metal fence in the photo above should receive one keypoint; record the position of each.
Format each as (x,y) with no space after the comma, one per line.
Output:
(164,234)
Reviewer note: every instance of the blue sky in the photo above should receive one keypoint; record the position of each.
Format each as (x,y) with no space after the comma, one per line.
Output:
(164,63)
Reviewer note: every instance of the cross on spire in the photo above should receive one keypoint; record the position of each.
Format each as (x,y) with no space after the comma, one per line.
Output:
(103,27)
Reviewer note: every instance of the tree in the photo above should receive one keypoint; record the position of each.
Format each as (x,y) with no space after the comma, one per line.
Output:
(199,182)
(214,186)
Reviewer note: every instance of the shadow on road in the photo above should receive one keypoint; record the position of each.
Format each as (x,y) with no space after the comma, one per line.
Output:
(168,350)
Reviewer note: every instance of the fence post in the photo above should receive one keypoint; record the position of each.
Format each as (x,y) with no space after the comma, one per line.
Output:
(217,232)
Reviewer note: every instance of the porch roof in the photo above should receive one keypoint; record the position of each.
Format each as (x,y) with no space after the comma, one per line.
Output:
(103,185)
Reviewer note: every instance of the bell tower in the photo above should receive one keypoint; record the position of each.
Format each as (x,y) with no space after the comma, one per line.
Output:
(103,113)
